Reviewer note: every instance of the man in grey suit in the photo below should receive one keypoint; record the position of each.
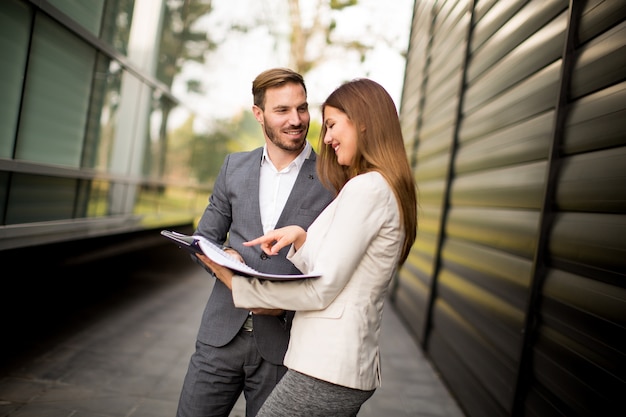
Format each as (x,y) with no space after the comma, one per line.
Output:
(272,186)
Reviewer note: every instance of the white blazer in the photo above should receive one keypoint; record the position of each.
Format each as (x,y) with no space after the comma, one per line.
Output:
(355,244)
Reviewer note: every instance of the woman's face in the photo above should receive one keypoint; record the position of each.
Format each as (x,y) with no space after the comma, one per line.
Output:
(341,135)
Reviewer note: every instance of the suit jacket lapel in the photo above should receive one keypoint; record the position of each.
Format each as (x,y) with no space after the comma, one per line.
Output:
(300,190)
(251,186)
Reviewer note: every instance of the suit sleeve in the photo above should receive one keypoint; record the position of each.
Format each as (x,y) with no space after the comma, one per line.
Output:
(216,219)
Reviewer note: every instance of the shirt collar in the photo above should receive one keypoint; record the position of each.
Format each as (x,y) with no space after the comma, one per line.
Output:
(306,152)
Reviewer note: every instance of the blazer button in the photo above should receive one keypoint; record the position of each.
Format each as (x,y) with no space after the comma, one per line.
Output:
(264,256)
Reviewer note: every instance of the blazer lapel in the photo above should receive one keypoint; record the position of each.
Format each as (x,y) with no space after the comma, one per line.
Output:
(299,191)
(251,186)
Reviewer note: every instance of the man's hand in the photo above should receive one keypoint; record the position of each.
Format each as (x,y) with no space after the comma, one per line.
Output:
(221,272)
(232,252)
(226,276)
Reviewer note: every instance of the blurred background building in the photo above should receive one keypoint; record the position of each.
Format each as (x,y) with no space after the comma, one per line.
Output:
(87,148)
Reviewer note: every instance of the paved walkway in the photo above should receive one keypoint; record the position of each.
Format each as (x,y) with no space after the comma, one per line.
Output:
(126,356)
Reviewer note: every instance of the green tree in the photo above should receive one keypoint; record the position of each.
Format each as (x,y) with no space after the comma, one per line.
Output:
(181,42)
(303,57)
(312,38)
(240,133)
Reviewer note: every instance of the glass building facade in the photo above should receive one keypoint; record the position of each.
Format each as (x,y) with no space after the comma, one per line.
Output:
(92,140)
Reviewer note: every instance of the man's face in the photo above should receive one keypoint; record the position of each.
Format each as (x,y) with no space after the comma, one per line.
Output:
(286,117)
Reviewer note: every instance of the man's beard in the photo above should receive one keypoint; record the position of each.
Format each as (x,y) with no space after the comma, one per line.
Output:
(274,135)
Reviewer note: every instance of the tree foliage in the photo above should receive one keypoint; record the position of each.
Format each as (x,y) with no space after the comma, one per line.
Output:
(303,57)
(181,40)
(312,33)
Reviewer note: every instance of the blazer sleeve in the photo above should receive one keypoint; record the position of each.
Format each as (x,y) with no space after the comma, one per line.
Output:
(336,242)
(217,216)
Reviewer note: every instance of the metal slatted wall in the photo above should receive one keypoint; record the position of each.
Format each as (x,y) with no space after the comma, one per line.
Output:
(514,113)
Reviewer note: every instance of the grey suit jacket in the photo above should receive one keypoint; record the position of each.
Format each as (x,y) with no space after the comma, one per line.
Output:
(233,215)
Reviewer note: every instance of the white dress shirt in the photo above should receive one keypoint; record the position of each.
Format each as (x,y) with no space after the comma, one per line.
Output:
(275,186)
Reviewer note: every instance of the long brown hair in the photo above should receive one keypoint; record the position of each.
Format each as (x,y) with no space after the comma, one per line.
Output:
(380,147)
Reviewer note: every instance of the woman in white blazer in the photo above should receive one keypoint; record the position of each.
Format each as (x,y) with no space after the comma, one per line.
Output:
(356,244)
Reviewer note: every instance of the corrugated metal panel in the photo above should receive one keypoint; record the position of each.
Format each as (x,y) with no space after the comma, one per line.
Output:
(414,282)
(413,81)
(579,359)
(515,285)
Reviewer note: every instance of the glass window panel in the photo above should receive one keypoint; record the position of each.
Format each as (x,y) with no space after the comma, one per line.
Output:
(98,199)
(56,97)
(130,119)
(103,115)
(180,139)
(121,198)
(118,16)
(82,198)
(86,12)
(36,198)
(148,198)
(15,18)
(183,41)
(170,205)
(4,186)
(144,34)
(157,141)
(93,199)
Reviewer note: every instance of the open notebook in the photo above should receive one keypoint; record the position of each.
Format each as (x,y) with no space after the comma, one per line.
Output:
(200,244)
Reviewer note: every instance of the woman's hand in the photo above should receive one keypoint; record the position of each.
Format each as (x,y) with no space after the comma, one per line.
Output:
(274,240)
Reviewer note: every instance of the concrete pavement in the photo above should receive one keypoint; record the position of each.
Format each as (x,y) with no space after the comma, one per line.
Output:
(125,355)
